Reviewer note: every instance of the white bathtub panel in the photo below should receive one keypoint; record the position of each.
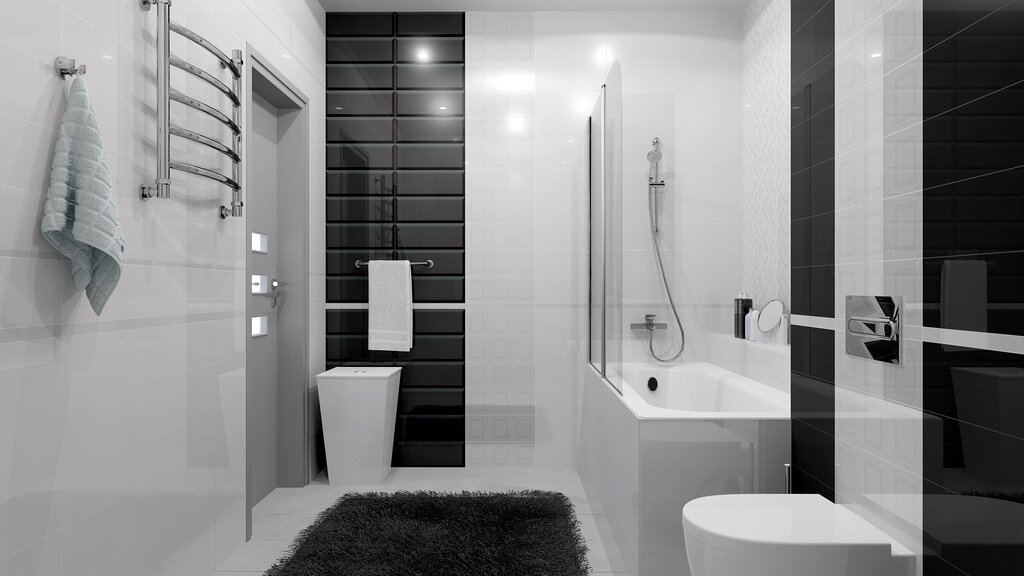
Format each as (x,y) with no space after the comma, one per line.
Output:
(609,467)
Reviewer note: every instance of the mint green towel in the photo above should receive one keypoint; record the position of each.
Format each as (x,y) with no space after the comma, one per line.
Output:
(80,217)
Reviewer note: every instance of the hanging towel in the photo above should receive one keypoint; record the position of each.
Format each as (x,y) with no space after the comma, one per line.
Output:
(80,217)
(390,323)
(964,304)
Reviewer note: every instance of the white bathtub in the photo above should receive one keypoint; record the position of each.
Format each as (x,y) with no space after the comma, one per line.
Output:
(699,390)
(644,454)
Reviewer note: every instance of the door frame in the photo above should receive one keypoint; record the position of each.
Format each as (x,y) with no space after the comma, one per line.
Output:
(257,63)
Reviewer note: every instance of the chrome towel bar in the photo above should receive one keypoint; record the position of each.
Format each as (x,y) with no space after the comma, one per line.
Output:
(428,263)
(161,187)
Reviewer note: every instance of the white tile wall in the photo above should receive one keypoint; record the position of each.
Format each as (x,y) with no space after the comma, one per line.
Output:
(766,154)
(879,441)
(122,443)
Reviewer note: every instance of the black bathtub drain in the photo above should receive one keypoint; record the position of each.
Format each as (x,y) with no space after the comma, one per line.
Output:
(652,383)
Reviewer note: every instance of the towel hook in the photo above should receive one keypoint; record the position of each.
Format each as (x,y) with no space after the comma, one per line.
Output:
(67,67)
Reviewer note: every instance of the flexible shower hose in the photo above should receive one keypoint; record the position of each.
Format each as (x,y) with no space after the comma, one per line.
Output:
(652,197)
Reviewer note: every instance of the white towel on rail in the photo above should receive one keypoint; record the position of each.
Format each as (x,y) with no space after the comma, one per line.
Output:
(390,322)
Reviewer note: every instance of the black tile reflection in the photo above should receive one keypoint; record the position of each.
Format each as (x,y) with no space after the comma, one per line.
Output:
(424,289)
(436,347)
(441,103)
(813,452)
(414,454)
(360,24)
(343,262)
(446,262)
(360,103)
(359,183)
(363,50)
(813,33)
(341,322)
(431,130)
(434,401)
(430,428)
(431,24)
(431,235)
(374,77)
(360,129)
(823,285)
(360,209)
(349,236)
(445,50)
(352,348)
(805,483)
(430,183)
(813,352)
(981,293)
(360,156)
(428,209)
(433,374)
(436,156)
(430,76)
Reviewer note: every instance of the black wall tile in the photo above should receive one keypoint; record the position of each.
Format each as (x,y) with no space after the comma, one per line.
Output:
(431,24)
(353,103)
(438,103)
(431,183)
(430,50)
(361,77)
(360,24)
(430,77)
(359,182)
(814,453)
(362,50)
(375,212)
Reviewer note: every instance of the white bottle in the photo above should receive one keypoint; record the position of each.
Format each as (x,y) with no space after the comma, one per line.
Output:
(751,325)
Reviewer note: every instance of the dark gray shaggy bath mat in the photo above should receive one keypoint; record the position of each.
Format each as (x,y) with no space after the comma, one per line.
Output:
(437,534)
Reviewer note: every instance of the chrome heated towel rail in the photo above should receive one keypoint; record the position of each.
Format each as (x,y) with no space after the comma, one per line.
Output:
(161,186)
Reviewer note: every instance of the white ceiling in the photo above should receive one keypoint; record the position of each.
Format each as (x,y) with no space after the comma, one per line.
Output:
(525,5)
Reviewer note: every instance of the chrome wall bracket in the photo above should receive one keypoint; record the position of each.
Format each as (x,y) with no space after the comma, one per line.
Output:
(873,328)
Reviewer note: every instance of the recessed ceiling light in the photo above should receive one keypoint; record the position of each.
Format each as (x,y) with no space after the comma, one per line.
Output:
(422,55)
(338,108)
(875,55)
(106,56)
(517,123)
(442,107)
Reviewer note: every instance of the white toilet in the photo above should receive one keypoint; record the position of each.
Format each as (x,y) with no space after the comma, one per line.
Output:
(358,407)
(784,535)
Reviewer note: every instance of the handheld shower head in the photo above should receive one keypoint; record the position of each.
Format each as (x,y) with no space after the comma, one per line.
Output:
(654,157)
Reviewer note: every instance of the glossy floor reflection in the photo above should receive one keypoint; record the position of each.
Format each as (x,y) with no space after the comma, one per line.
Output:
(286,511)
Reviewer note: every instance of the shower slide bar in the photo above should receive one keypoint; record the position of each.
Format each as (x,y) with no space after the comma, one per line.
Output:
(161,186)
(428,263)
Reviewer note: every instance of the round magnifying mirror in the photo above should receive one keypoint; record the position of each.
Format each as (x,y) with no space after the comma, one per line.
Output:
(770,316)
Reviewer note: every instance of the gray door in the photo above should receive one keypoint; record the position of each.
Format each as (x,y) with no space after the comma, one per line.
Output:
(277,364)
(261,357)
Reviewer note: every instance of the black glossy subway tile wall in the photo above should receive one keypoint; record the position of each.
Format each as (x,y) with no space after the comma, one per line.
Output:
(360,209)
(427,209)
(362,77)
(395,182)
(423,50)
(431,183)
(367,130)
(360,156)
(812,197)
(358,103)
(430,77)
(359,182)
(973,157)
(430,130)
(361,50)
(430,24)
(434,156)
(439,103)
(360,24)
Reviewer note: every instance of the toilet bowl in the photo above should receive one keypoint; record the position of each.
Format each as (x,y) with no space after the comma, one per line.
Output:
(358,407)
(784,535)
